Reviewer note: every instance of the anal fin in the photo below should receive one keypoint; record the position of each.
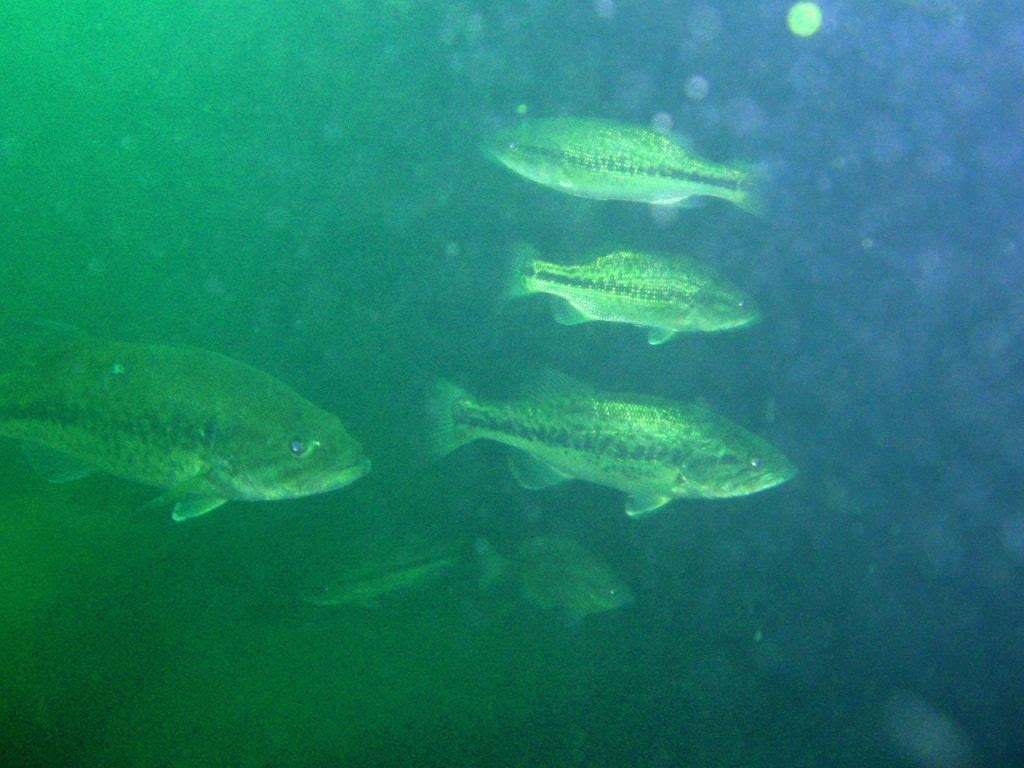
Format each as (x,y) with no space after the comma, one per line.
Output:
(657,336)
(533,474)
(55,466)
(639,504)
(195,506)
(566,314)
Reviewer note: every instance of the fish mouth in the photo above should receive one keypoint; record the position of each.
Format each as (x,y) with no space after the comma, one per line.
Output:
(779,476)
(351,473)
(622,596)
(745,486)
(324,480)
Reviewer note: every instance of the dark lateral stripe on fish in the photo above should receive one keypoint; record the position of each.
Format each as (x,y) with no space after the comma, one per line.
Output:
(605,286)
(576,440)
(616,165)
(66,415)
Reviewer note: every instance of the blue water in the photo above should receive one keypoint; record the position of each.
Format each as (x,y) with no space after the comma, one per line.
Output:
(298,186)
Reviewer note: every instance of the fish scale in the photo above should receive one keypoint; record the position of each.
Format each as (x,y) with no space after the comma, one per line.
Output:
(625,149)
(643,288)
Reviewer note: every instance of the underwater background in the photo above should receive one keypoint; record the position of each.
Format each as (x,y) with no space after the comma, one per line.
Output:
(298,185)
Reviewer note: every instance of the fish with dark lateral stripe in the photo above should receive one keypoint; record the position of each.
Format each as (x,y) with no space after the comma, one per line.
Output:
(653,449)
(201,426)
(609,160)
(662,294)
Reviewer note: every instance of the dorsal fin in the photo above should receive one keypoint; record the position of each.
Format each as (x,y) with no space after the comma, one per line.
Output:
(547,383)
(25,343)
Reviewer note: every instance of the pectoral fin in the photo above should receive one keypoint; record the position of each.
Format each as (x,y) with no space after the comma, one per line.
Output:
(657,336)
(190,498)
(195,506)
(533,474)
(547,383)
(644,503)
(54,466)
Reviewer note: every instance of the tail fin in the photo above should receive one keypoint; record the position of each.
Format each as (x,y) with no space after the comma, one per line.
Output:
(753,197)
(522,255)
(445,435)
(25,343)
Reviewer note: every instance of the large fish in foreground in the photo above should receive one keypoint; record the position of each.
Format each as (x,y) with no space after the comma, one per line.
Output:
(608,160)
(665,296)
(655,450)
(205,428)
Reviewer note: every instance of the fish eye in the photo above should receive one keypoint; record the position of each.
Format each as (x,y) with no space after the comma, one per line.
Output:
(513,146)
(755,462)
(741,303)
(300,447)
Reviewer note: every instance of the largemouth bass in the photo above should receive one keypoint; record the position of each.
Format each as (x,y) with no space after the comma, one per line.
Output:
(655,450)
(204,427)
(665,296)
(608,160)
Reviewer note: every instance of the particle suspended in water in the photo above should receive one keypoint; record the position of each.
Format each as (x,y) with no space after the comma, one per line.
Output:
(704,22)
(804,19)
(697,87)
(662,122)
(605,8)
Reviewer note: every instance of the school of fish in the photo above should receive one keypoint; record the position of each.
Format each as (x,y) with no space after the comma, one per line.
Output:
(205,429)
